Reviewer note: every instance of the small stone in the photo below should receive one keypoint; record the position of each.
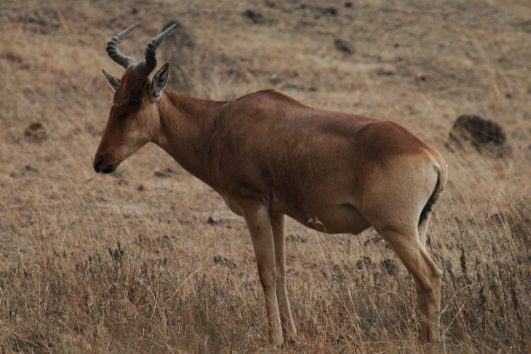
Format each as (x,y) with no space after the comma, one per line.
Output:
(295,238)
(91,129)
(365,262)
(30,168)
(211,221)
(385,72)
(293,86)
(374,239)
(254,16)
(140,188)
(390,266)
(36,132)
(225,261)
(168,172)
(233,72)
(329,11)
(419,76)
(274,79)
(343,46)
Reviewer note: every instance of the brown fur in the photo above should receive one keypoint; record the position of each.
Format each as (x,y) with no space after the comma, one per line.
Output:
(269,156)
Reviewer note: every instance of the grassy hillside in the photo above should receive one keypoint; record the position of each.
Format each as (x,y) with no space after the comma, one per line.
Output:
(149,259)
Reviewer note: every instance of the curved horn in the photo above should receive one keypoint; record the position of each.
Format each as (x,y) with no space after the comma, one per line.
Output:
(143,70)
(114,53)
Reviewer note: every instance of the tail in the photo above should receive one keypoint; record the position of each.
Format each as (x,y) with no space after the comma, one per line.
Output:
(442,175)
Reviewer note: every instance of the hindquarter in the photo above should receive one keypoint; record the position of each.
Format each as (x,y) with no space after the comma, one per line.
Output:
(396,191)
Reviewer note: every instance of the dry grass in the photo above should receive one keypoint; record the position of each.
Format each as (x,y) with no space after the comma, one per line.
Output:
(104,265)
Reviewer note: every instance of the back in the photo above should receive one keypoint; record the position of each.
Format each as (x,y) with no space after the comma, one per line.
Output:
(270,144)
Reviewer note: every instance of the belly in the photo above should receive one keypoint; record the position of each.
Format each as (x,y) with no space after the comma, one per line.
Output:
(330,219)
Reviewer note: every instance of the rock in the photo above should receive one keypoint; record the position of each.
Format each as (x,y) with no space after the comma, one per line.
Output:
(36,132)
(140,188)
(343,46)
(225,261)
(484,135)
(254,16)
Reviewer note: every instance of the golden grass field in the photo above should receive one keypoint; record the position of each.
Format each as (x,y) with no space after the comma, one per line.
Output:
(143,262)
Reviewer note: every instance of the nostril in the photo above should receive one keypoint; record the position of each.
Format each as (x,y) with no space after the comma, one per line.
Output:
(98,163)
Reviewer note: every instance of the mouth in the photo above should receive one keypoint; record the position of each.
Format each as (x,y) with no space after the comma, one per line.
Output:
(108,169)
(101,167)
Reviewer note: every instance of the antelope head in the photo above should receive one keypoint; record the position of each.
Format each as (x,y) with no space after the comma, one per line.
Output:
(134,119)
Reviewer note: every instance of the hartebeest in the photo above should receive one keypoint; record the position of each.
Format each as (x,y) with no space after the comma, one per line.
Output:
(268,156)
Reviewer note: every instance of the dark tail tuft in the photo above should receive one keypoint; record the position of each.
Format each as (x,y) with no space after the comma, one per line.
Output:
(429,205)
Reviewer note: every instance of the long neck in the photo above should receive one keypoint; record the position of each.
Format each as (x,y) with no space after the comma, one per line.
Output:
(186,125)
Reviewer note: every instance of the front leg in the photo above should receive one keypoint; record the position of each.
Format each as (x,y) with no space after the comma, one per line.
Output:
(258,221)
(277,222)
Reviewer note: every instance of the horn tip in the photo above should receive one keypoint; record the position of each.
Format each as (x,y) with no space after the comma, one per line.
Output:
(167,30)
(124,33)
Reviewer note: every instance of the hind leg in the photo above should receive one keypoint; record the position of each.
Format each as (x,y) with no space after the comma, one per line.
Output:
(393,206)
(406,243)
(423,230)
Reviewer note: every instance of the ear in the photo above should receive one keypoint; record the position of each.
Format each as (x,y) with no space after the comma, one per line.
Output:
(160,79)
(113,81)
